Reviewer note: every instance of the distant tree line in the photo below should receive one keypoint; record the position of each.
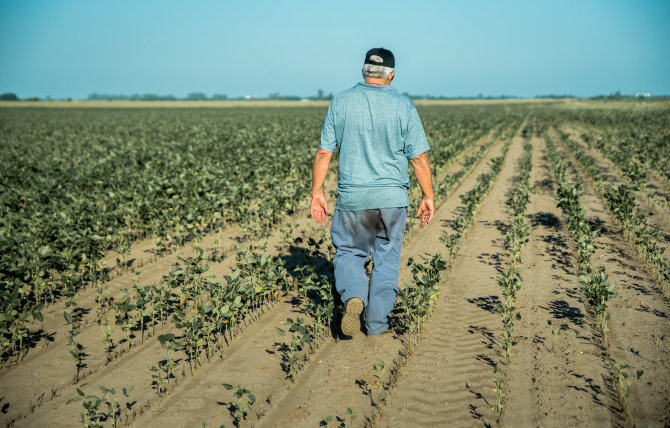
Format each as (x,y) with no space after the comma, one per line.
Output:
(201,96)
(320,95)
(444,97)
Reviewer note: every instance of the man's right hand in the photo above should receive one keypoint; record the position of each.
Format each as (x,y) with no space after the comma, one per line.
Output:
(319,208)
(426,210)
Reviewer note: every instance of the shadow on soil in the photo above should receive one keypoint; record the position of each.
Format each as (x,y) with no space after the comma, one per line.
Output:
(492,259)
(487,303)
(560,309)
(660,314)
(473,409)
(488,339)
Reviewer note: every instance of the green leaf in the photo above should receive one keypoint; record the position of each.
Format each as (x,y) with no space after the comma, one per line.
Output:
(126,391)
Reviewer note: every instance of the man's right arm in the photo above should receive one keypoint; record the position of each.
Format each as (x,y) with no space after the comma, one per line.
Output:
(425,179)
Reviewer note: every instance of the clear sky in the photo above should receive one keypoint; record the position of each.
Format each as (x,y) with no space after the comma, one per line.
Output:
(70,48)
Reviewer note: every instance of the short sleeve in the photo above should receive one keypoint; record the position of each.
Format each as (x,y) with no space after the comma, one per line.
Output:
(328,140)
(415,138)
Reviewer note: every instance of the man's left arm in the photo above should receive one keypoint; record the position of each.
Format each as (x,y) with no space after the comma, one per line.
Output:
(416,146)
(425,179)
(319,207)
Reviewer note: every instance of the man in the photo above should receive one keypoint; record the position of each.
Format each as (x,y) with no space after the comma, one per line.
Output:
(377,131)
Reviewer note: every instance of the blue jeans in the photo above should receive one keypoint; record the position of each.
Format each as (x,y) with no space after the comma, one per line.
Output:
(354,234)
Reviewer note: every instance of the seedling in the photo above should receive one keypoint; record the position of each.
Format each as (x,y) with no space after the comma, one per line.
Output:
(107,340)
(598,292)
(76,349)
(93,416)
(556,331)
(244,401)
(620,374)
(124,317)
(658,338)
(299,337)
(350,418)
(500,395)
(163,372)
(379,374)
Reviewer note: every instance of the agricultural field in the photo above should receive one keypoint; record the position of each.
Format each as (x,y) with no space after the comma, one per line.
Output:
(158,268)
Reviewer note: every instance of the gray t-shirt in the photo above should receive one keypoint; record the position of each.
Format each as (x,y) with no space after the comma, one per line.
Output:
(377,130)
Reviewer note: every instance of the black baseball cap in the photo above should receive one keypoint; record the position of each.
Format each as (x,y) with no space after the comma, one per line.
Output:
(380,56)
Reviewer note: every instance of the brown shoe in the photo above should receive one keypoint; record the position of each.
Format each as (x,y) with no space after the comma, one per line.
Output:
(351,320)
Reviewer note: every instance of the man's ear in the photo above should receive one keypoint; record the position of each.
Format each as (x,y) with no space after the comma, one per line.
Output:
(391,76)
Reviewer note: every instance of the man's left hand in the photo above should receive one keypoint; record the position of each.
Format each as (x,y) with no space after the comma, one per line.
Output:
(319,208)
(426,211)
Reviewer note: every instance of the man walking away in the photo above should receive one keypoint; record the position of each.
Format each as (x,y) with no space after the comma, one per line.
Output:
(377,130)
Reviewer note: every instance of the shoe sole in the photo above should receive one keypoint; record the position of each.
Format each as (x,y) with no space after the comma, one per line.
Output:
(351,321)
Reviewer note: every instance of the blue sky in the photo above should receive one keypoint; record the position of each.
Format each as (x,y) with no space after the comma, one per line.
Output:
(70,48)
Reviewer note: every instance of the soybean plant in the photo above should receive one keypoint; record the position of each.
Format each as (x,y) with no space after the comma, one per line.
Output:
(92,415)
(500,395)
(620,374)
(658,338)
(163,371)
(193,334)
(244,401)
(556,331)
(142,305)
(379,374)
(124,317)
(76,349)
(598,292)
(107,340)
(299,337)
(351,417)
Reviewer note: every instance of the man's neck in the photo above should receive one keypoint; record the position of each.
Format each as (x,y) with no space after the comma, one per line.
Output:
(377,81)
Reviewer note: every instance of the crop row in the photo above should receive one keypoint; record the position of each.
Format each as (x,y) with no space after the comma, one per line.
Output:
(598,292)
(640,134)
(510,279)
(621,201)
(470,202)
(595,286)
